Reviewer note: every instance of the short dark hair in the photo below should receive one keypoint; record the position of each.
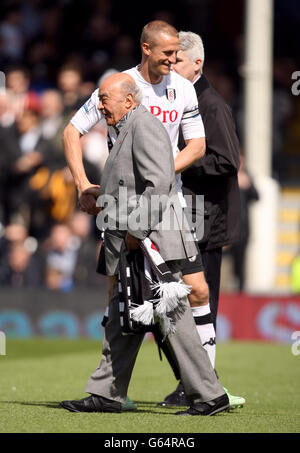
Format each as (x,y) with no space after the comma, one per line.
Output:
(152,29)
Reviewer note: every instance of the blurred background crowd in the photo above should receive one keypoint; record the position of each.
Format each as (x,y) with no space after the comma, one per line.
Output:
(53,54)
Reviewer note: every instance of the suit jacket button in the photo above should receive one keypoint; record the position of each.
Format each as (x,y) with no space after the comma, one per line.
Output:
(121,182)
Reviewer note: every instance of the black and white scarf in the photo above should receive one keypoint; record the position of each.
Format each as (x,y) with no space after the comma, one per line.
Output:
(149,294)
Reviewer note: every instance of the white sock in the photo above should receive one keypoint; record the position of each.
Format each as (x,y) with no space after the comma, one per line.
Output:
(206,330)
(105,317)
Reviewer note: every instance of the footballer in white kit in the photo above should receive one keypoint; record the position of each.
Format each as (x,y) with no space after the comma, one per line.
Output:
(173,101)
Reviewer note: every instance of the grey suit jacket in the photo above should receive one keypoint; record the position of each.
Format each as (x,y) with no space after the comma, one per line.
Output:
(139,169)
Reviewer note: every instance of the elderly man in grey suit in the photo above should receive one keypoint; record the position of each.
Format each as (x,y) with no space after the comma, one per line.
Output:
(142,161)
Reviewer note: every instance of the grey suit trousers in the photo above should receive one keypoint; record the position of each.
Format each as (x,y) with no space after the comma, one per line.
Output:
(111,378)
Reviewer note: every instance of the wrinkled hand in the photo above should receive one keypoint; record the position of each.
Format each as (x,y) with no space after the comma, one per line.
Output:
(131,242)
(88,199)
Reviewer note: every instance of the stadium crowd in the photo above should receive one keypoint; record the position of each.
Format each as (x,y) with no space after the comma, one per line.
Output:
(45,240)
(53,54)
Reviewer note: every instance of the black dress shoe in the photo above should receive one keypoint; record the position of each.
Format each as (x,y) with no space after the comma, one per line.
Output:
(176,398)
(93,403)
(208,408)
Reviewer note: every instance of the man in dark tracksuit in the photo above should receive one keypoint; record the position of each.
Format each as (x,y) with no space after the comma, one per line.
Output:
(215,177)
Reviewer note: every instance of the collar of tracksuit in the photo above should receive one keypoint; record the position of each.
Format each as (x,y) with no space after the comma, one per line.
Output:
(201,84)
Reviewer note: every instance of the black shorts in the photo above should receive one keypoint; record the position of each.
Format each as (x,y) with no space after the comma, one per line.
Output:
(192,265)
(101,267)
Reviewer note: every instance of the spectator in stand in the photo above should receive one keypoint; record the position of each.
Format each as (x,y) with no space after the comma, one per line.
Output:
(21,270)
(15,233)
(53,120)
(61,257)
(87,252)
(12,40)
(32,152)
(12,234)
(19,96)
(69,82)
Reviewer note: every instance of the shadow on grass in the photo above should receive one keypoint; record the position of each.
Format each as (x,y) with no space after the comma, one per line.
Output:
(56,405)
(51,404)
(158,410)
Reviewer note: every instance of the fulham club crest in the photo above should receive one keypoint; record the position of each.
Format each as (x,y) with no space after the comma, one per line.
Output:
(171,94)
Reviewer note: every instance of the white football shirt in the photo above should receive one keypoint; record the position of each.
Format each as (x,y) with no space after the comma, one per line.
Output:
(173,101)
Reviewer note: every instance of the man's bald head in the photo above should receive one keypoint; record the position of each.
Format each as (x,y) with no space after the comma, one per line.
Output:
(122,83)
(118,94)
(154,29)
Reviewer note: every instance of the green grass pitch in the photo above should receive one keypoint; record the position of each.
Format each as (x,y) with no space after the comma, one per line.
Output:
(36,374)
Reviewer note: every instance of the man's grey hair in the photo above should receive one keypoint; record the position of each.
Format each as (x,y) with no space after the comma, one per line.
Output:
(131,88)
(192,45)
(106,73)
